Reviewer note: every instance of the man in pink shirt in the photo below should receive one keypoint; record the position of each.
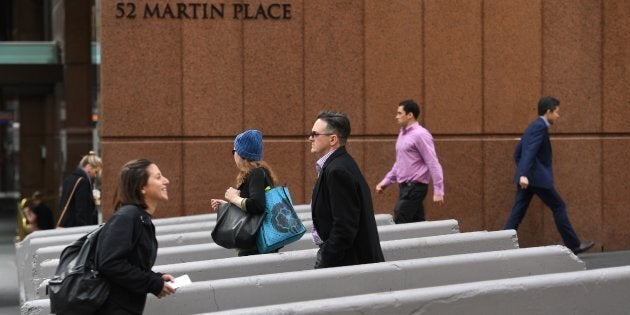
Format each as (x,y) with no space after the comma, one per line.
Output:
(416,164)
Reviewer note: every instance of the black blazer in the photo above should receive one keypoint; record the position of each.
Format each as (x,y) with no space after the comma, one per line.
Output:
(81,210)
(533,156)
(343,214)
(126,252)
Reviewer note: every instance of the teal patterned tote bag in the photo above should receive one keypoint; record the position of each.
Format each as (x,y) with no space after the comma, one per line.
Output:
(281,225)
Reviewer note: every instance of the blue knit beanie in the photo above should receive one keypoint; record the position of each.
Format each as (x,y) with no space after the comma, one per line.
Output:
(249,145)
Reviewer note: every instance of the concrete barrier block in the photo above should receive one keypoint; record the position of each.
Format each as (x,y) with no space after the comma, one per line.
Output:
(303,211)
(433,273)
(400,249)
(46,258)
(382,277)
(25,250)
(205,250)
(598,291)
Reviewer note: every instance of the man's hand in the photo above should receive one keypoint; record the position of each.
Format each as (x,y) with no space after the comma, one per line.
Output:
(524,182)
(380,188)
(438,200)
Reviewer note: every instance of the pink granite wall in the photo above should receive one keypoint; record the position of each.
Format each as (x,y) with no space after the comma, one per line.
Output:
(177,90)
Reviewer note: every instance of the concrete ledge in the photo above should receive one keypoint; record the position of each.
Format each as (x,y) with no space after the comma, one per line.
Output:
(303,260)
(599,291)
(204,240)
(32,276)
(201,226)
(402,249)
(399,249)
(371,278)
(41,249)
(303,210)
(46,268)
(263,289)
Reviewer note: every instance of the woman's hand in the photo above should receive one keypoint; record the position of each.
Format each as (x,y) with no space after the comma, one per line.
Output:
(215,203)
(233,195)
(166,289)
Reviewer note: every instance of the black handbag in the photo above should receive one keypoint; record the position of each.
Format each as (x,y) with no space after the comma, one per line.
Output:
(236,228)
(77,287)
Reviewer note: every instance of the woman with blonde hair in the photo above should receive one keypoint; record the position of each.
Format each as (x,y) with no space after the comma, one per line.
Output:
(77,204)
(254,176)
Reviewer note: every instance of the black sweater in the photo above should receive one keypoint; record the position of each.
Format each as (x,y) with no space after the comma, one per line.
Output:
(126,252)
(253,188)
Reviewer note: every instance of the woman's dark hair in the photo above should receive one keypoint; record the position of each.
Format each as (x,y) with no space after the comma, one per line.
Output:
(133,176)
(337,123)
(250,165)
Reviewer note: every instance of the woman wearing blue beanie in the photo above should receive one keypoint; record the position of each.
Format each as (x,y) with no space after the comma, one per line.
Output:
(254,176)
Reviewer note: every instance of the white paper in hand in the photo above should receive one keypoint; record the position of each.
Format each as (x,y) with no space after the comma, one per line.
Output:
(180,282)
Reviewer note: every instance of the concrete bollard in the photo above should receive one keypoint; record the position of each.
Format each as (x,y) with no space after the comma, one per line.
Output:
(303,285)
(205,225)
(598,291)
(303,211)
(41,249)
(32,278)
(204,250)
(47,267)
(399,249)
(25,250)
(205,242)
(405,249)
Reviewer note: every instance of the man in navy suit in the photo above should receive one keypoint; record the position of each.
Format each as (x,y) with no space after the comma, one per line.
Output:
(534,175)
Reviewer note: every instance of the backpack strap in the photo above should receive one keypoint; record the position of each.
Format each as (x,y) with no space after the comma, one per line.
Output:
(63,213)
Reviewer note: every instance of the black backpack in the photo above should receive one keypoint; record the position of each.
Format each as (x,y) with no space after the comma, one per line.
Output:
(77,287)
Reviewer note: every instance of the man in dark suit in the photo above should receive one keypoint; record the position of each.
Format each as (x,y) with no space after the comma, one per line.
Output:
(534,175)
(343,218)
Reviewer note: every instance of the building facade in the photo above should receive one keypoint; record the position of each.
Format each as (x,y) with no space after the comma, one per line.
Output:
(178,80)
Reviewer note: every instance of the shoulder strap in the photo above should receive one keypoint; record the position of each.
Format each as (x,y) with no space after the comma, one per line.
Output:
(65,208)
(268,181)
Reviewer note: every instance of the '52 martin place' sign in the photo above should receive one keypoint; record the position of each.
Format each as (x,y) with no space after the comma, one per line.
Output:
(203,11)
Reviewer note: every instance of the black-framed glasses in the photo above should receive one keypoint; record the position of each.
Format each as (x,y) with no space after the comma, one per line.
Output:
(314,134)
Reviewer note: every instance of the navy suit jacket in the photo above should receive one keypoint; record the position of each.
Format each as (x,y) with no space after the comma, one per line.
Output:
(343,215)
(533,156)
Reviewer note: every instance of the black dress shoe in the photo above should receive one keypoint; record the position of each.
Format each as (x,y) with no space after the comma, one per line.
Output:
(583,247)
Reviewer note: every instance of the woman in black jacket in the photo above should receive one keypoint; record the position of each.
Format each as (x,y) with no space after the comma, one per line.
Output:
(253,178)
(77,199)
(127,246)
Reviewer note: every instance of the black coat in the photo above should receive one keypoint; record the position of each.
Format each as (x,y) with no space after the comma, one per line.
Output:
(126,252)
(81,210)
(343,214)
(45,219)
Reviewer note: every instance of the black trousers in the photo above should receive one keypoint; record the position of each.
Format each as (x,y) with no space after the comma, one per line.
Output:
(409,207)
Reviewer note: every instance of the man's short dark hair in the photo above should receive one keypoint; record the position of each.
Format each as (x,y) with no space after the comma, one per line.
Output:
(337,123)
(410,106)
(547,103)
